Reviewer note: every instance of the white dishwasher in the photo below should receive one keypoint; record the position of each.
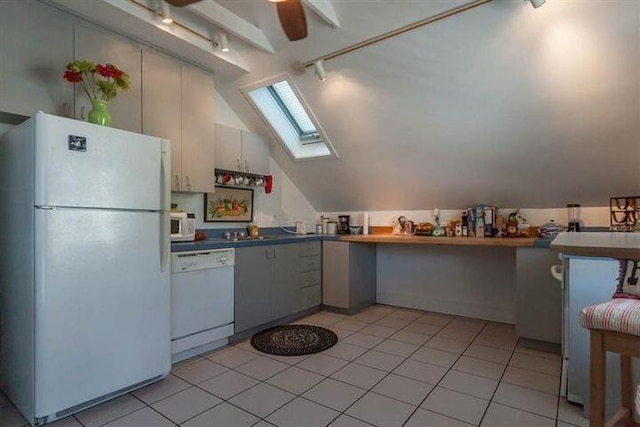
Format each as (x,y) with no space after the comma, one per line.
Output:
(201,301)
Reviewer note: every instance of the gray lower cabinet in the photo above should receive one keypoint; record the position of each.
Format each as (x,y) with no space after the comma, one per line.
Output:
(539,296)
(310,279)
(274,282)
(252,280)
(348,275)
(284,280)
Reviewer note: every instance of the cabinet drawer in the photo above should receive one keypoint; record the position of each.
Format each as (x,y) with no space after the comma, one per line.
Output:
(310,248)
(309,278)
(310,297)
(310,263)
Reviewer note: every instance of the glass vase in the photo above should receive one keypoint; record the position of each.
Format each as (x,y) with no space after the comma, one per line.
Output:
(99,113)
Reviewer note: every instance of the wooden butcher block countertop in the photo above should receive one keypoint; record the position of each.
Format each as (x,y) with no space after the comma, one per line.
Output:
(454,241)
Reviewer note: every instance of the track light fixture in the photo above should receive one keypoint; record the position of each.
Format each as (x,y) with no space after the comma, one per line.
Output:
(220,41)
(165,12)
(536,3)
(319,69)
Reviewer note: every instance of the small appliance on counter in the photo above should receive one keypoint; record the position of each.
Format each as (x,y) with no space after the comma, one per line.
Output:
(183,226)
(403,226)
(573,212)
(343,224)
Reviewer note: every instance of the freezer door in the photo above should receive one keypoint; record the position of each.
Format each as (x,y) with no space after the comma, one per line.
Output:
(84,165)
(102,304)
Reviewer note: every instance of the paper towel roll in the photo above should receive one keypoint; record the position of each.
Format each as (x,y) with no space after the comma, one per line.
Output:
(365,224)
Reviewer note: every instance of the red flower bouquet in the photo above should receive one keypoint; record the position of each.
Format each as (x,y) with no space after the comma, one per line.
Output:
(89,74)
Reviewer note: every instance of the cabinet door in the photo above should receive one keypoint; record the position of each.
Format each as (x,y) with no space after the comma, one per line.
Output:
(36,43)
(255,153)
(285,280)
(335,274)
(99,45)
(198,129)
(539,314)
(161,93)
(228,148)
(252,280)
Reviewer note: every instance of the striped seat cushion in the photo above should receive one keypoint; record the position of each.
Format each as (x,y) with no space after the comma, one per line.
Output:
(618,315)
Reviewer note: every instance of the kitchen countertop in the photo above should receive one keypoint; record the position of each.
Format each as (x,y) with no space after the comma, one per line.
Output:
(454,241)
(219,243)
(601,245)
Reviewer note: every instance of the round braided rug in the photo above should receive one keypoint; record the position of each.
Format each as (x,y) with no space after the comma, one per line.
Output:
(294,340)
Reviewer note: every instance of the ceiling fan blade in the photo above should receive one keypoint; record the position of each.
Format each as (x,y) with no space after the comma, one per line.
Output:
(180,3)
(292,19)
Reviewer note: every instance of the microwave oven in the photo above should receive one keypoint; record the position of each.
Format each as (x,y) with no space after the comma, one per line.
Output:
(183,227)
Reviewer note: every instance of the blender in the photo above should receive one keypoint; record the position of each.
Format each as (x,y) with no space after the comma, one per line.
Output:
(573,212)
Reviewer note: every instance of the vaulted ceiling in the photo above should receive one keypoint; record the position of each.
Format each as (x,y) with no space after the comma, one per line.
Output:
(502,104)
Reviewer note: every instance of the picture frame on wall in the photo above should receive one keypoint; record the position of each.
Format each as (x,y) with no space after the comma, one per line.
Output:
(228,205)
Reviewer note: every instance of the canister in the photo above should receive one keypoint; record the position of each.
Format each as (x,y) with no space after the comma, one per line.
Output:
(318,228)
(332,228)
(325,223)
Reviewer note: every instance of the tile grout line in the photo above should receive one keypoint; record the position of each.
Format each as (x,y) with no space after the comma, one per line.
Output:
(419,406)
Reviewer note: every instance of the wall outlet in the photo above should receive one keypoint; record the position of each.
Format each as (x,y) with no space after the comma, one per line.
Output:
(274,219)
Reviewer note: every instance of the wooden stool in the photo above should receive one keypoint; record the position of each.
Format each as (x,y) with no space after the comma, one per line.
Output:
(615,327)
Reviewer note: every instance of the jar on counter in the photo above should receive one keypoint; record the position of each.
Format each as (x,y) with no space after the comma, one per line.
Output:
(332,228)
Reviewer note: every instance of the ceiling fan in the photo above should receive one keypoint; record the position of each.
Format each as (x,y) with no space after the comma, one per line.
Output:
(290,13)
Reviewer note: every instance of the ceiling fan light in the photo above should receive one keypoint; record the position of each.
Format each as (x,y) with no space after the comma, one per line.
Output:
(165,12)
(319,70)
(537,3)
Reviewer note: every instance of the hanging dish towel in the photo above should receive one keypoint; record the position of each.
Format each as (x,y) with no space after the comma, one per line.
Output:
(268,184)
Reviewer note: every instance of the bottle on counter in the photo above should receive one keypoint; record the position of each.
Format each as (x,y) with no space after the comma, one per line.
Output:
(480,227)
(465,224)
(512,225)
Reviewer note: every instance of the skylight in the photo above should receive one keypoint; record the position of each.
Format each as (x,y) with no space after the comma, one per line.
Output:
(289,103)
(282,107)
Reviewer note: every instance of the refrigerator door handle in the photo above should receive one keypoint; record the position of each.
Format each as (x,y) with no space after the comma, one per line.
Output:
(165,243)
(165,186)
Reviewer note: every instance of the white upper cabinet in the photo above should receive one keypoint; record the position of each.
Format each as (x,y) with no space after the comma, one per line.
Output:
(36,43)
(178,104)
(99,45)
(240,150)
(198,130)
(161,105)
(228,148)
(255,153)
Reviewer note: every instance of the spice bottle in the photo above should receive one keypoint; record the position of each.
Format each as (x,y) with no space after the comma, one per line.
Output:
(512,225)
(465,224)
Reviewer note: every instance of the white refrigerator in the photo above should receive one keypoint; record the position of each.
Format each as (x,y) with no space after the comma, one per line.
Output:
(84,272)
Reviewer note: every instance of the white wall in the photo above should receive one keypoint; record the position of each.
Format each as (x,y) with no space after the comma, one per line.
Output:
(282,207)
(504,103)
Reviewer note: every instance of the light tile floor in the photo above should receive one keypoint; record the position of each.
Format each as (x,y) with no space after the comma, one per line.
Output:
(391,367)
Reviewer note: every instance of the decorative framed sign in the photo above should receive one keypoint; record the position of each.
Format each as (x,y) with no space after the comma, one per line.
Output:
(228,205)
